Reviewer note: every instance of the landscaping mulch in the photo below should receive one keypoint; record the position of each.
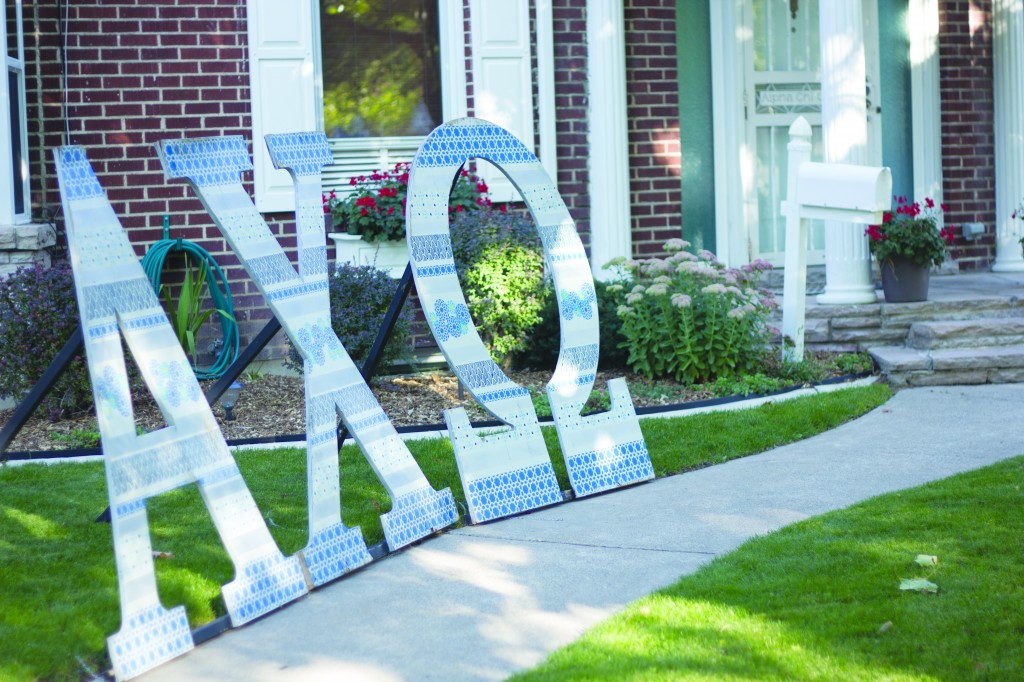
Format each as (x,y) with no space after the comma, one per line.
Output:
(272,405)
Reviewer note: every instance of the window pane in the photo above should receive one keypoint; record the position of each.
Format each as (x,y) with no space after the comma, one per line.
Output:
(11,20)
(381,64)
(17,152)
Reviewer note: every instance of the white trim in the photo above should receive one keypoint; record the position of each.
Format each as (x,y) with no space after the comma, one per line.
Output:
(610,218)
(925,105)
(1008,107)
(452,38)
(318,65)
(17,64)
(546,89)
(727,48)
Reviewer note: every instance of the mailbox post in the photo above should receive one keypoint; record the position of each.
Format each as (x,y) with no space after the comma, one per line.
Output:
(830,191)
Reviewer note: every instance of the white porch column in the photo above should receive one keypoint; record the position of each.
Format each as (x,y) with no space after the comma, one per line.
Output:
(845,131)
(608,140)
(923,24)
(1008,96)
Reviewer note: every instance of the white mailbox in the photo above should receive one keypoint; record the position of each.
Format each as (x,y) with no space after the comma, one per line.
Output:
(829,191)
(842,192)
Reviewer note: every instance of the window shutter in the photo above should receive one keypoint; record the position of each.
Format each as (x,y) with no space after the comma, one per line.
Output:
(502,82)
(282,89)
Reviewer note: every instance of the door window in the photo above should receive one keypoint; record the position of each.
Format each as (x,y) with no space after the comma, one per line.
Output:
(783,82)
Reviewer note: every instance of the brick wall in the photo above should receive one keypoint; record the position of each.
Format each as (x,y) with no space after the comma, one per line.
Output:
(652,88)
(571,127)
(138,73)
(968,137)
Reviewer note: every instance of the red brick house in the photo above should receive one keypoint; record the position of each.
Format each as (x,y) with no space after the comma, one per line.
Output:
(658,117)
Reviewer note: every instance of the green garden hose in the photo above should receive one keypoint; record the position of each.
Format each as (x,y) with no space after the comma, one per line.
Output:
(217,285)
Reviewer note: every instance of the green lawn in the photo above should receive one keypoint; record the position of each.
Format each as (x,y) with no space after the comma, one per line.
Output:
(58,593)
(820,600)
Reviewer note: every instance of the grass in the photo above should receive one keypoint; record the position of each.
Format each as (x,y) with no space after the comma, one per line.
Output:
(58,589)
(819,600)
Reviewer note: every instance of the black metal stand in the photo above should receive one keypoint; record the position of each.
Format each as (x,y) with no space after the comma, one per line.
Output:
(383,335)
(243,360)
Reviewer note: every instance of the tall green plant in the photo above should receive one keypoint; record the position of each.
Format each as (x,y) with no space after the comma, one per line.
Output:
(186,312)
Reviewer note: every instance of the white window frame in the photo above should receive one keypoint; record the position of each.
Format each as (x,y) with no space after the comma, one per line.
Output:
(286,84)
(14,64)
(363,155)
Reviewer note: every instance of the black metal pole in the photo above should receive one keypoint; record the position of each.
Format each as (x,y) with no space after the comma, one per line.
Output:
(383,335)
(244,359)
(31,401)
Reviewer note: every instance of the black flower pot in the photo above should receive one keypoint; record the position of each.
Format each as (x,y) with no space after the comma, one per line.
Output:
(903,280)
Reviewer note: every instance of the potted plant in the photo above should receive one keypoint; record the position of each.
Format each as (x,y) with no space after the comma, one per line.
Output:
(372,216)
(906,245)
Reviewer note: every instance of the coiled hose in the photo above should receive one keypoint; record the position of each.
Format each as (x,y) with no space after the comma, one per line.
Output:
(217,285)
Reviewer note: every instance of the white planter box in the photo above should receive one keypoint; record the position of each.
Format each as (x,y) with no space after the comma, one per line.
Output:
(389,256)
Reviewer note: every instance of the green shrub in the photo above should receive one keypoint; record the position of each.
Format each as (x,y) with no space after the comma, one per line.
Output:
(690,318)
(500,264)
(360,296)
(38,314)
(542,347)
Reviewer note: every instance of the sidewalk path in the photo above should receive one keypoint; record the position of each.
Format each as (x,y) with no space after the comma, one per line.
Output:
(483,602)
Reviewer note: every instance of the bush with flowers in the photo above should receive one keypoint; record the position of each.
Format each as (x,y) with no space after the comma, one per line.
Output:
(690,318)
(375,209)
(911,232)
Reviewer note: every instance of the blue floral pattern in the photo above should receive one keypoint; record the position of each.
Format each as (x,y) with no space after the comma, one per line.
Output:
(581,303)
(449,319)
(319,342)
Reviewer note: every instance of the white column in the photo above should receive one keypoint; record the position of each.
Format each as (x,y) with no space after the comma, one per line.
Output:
(845,128)
(1008,96)
(608,139)
(923,24)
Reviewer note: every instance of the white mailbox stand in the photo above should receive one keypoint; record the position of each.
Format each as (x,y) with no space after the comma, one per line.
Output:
(830,191)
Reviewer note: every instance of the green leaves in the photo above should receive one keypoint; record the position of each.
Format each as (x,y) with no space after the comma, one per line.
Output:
(185,312)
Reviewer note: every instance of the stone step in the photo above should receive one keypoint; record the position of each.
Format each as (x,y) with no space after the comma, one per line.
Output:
(902,366)
(988,331)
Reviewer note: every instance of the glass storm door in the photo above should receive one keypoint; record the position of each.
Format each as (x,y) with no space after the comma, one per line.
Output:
(782,62)
(783,81)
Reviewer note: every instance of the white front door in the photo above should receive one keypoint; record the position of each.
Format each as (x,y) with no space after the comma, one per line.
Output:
(778,51)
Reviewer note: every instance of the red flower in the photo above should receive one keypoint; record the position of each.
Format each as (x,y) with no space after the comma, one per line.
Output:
(929,203)
(387,192)
(481,187)
(875,233)
(886,217)
(352,181)
(366,201)
(362,211)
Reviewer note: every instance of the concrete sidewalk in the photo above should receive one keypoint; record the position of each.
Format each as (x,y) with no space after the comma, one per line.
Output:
(483,602)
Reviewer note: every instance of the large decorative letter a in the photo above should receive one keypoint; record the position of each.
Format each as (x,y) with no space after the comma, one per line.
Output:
(114,298)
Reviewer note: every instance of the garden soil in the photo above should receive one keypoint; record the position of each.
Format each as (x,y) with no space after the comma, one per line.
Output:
(272,405)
